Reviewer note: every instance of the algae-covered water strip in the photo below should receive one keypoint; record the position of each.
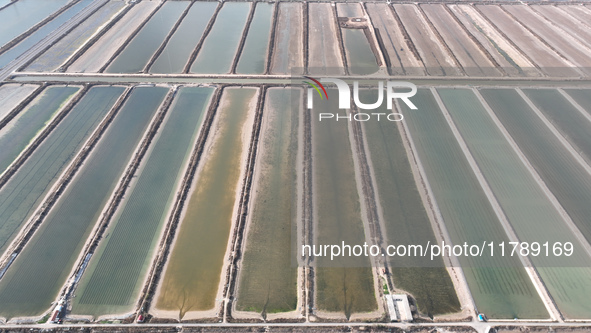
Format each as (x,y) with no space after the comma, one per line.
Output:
(114,276)
(469,216)
(267,279)
(34,280)
(33,180)
(196,265)
(404,218)
(344,286)
(29,127)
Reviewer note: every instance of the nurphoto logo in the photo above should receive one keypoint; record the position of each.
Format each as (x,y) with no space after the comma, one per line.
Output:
(344,93)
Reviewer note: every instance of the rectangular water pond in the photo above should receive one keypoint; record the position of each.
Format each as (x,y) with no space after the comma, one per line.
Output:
(23,15)
(23,128)
(405,216)
(41,269)
(345,285)
(175,55)
(500,286)
(253,59)
(21,195)
(216,57)
(140,49)
(41,33)
(116,272)
(192,275)
(268,281)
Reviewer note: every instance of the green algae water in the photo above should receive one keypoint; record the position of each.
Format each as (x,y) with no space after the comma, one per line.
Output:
(23,128)
(192,276)
(114,277)
(253,59)
(25,190)
(360,58)
(176,53)
(34,279)
(138,52)
(218,49)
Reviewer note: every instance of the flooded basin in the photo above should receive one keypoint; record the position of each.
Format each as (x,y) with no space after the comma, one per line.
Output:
(23,15)
(138,52)
(267,279)
(23,128)
(21,195)
(191,281)
(33,280)
(115,275)
(253,59)
(175,55)
(215,57)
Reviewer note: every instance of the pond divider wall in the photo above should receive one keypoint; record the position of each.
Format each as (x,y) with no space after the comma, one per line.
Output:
(206,32)
(24,155)
(31,226)
(440,39)
(165,246)
(407,38)
(4,121)
(305,39)
(335,18)
(243,38)
(102,225)
(130,38)
(475,41)
(45,49)
(308,212)
(239,227)
(36,27)
(89,43)
(517,48)
(370,34)
(272,39)
(167,39)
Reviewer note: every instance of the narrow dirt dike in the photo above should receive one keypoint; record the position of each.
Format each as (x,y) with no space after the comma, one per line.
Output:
(272,39)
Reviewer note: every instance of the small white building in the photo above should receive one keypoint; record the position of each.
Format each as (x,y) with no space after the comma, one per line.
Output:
(401,304)
(391,308)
